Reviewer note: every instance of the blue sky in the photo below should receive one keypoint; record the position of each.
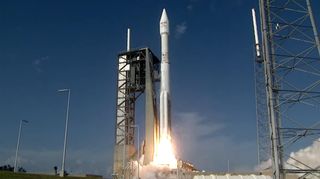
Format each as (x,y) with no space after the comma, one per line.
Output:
(48,45)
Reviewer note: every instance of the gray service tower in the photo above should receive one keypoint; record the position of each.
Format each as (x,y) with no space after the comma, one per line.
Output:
(137,71)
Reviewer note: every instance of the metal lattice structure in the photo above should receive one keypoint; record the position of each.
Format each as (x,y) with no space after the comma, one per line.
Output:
(263,140)
(136,70)
(291,63)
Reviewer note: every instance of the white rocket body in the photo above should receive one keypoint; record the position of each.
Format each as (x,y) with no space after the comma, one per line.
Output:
(165,103)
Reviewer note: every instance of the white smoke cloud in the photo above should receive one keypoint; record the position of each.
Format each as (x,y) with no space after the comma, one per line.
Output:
(263,165)
(155,172)
(208,144)
(305,158)
(151,171)
(309,156)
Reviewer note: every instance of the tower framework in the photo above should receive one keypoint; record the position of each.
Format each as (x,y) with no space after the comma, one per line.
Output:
(263,139)
(137,70)
(291,67)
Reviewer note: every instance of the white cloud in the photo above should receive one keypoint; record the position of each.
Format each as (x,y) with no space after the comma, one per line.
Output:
(190,7)
(38,63)
(300,159)
(180,29)
(204,142)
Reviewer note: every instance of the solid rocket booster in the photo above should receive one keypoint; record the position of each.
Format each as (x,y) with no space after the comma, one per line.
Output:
(165,104)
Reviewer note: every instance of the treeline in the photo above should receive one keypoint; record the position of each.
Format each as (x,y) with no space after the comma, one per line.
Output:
(11,168)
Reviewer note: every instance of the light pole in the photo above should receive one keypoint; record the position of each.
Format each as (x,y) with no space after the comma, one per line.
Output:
(65,132)
(18,143)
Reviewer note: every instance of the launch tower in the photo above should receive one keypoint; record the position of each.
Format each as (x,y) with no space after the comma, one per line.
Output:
(137,71)
(289,60)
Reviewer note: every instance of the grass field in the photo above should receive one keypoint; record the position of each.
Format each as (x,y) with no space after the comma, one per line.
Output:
(11,175)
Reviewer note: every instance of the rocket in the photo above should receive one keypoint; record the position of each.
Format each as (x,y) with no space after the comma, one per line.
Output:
(165,103)
(164,153)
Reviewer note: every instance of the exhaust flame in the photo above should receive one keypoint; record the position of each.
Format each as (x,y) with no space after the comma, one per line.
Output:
(165,155)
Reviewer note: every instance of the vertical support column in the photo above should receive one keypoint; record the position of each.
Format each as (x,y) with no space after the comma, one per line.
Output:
(314,27)
(264,5)
(121,115)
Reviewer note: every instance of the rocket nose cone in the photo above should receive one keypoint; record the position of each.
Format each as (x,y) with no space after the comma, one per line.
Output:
(164,23)
(164,16)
